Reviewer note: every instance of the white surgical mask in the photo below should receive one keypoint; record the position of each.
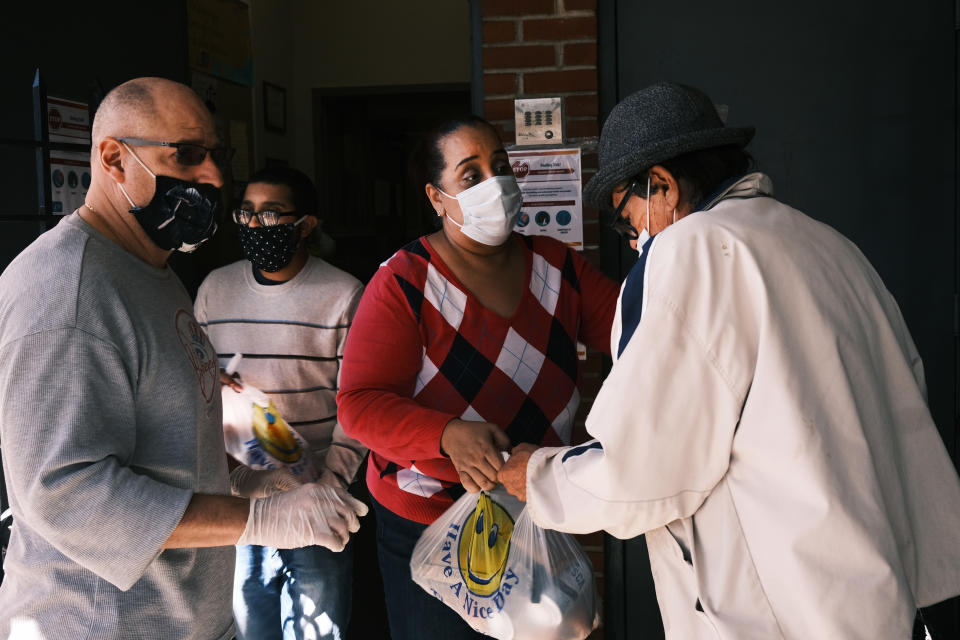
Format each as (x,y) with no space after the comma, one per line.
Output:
(644,233)
(490,209)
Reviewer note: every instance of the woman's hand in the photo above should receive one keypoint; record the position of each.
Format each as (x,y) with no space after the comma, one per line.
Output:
(513,474)
(474,449)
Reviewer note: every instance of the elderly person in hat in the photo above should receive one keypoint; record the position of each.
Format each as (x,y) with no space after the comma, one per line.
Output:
(765,421)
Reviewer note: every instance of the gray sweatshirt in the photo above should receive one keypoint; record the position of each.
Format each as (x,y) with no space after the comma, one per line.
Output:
(111,421)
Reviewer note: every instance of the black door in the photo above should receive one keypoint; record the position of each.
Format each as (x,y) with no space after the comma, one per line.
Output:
(856,114)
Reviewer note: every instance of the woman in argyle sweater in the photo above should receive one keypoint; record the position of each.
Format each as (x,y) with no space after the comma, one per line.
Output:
(464,343)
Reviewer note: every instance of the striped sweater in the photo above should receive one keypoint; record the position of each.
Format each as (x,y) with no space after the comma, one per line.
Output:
(423,351)
(291,336)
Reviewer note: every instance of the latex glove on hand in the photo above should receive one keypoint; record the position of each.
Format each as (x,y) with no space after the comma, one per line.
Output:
(474,449)
(251,483)
(310,514)
(330,478)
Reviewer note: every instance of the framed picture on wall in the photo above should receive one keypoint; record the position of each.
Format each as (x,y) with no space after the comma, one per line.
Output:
(274,108)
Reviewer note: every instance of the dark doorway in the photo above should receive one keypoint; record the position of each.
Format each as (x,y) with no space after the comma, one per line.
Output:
(371,207)
(363,141)
(856,114)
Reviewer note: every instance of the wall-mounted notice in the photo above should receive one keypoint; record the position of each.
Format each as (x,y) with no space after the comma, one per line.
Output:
(218,39)
(552,193)
(68,120)
(69,180)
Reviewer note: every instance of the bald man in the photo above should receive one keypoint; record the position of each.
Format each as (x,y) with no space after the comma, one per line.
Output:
(113,450)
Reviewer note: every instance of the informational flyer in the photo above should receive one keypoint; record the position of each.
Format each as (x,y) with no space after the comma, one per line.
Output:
(68,120)
(69,180)
(552,193)
(218,40)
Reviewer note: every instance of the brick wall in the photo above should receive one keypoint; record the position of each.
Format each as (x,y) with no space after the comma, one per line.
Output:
(545,48)
(541,48)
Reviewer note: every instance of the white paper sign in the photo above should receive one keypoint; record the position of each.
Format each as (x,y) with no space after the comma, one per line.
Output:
(552,193)
(68,120)
(69,180)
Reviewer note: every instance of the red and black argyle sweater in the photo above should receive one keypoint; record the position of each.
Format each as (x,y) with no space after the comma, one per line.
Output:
(422,351)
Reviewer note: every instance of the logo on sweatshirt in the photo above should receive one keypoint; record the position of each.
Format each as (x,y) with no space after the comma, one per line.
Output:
(273,434)
(199,351)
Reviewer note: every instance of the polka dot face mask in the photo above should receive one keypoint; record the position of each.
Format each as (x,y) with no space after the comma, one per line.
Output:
(270,248)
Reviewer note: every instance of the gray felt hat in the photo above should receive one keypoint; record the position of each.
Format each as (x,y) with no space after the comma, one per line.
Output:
(653,125)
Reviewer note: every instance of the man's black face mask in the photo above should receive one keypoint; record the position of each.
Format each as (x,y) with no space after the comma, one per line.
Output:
(182,215)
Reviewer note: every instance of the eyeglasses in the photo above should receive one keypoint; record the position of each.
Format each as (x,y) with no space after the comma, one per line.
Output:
(264,218)
(618,224)
(189,154)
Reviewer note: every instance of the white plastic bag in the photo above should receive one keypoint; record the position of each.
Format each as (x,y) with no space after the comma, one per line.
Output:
(256,434)
(507,577)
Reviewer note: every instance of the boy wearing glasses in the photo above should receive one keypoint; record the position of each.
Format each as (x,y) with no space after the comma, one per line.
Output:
(288,313)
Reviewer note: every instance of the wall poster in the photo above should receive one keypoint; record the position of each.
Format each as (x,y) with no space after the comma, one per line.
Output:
(69,180)
(552,193)
(68,121)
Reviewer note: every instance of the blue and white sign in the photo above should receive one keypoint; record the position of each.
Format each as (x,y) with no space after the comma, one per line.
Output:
(550,181)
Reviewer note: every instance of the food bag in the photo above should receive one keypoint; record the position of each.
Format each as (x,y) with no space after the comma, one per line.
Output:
(505,576)
(256,434)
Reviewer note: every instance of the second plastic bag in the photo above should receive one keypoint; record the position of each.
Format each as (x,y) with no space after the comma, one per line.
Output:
(256,434)
(504,575)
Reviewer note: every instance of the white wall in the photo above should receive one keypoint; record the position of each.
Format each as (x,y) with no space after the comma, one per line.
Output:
(307,44)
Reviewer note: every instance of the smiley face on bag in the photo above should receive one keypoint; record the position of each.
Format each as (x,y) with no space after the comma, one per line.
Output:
(484,545)
(273,434)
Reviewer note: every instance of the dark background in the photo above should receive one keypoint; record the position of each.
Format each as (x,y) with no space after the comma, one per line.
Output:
(81,54)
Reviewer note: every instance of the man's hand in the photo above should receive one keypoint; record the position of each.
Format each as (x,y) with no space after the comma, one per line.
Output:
(513,474)
(251,483)
(474,449)
(310,514)
(232,381)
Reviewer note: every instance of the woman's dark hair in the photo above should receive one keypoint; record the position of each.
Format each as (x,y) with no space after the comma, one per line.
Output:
(302,191)
(701,172)
(426,161)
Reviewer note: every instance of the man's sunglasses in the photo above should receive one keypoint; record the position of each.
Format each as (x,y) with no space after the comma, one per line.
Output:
(618,224)
(189,154)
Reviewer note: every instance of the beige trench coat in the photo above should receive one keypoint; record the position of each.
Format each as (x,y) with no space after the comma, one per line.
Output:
(767,428)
